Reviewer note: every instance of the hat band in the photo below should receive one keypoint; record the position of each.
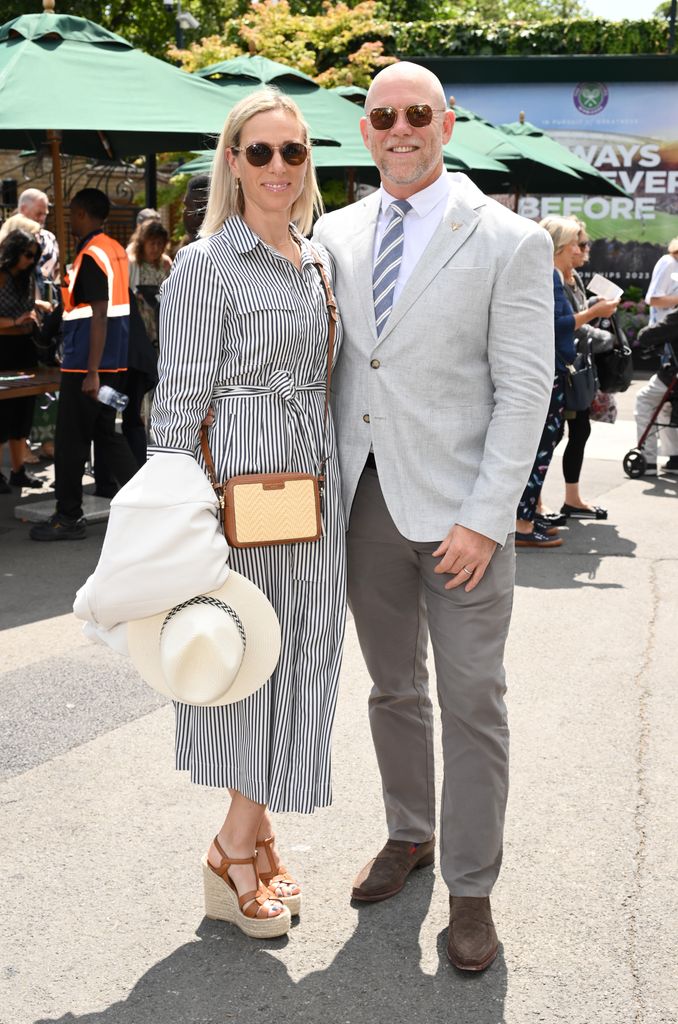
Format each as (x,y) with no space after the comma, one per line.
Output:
(215,603)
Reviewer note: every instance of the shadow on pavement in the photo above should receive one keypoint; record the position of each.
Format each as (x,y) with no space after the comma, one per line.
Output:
(375,978)
(586,543)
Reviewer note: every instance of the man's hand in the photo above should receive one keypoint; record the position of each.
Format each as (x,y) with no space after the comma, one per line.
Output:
(465,555)
(90,384)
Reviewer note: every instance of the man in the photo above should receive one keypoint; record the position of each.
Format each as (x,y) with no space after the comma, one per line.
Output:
(195,206)
(662,297)
(95,340)
(34,204)
(440,397)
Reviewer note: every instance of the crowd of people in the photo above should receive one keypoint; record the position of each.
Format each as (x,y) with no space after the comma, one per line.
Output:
(42,322)
(428,466)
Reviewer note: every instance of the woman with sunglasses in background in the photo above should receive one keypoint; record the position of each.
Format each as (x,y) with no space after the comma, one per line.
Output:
(578,423)
(534,528)
(244,331)
(19,252)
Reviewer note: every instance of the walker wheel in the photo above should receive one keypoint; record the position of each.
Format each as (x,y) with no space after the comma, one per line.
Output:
(635,463)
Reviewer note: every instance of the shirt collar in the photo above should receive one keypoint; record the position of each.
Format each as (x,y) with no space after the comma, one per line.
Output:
(424,201)
(243,239)
(88,238)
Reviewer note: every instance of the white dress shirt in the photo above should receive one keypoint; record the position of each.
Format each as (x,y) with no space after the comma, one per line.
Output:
(664,282)
(419,225)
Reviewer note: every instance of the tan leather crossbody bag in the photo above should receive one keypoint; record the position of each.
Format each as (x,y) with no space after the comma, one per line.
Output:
(277,508)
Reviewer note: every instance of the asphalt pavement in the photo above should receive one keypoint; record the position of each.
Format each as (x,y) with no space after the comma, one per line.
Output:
(102,919)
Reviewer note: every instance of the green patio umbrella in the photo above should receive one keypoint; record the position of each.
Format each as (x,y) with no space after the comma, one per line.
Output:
(535,144)
(70,84)
(324,110)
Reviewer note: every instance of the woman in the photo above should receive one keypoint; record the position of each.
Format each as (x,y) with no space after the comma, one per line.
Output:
(244,328)
(579,422)
(19,252)
(148,268)
(533,530)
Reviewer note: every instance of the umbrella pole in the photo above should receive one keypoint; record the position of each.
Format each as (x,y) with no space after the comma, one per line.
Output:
(54,139)
(350,175)
(516,199)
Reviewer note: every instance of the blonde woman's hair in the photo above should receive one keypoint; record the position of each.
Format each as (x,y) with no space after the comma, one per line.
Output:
(563,231)
(18,221)
(225,197)
(673,245)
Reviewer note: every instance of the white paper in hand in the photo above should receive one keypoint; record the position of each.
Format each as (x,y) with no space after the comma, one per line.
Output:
(604,289)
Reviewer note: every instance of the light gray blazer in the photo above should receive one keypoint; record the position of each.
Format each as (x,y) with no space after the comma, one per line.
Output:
(453,396)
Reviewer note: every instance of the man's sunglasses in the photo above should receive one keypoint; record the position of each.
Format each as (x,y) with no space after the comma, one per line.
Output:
(260,153)
(418,115)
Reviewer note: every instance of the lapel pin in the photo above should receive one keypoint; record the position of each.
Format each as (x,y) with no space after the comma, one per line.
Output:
(454,225)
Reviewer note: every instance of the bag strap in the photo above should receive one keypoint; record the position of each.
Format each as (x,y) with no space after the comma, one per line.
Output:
(209,462)
(333,317)
(331,333)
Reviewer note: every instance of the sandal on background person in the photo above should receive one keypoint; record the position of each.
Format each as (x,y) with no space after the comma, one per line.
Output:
(278,878)
(248,912)
(584,512)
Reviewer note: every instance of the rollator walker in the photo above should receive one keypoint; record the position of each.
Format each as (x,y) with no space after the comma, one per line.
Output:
(661,335)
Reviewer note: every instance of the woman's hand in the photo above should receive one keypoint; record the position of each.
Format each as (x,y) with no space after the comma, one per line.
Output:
(43,305)
(209,418)
(603,309)
(25,317)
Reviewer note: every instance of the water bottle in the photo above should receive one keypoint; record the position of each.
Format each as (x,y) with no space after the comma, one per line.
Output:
(109,396)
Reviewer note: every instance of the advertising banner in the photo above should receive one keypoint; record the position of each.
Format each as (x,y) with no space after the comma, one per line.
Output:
(629,132)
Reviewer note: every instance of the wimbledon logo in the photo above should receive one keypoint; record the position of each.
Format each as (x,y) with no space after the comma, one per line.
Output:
(590,97)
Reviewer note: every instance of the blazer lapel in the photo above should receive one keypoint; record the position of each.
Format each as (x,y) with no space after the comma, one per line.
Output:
(363,257)
(459,222)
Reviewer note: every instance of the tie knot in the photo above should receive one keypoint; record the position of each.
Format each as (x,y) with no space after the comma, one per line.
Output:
(400,207)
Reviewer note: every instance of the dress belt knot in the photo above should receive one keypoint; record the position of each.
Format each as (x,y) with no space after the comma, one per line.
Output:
(281,383)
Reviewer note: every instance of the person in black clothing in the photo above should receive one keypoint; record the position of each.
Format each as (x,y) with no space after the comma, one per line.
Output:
(19,252)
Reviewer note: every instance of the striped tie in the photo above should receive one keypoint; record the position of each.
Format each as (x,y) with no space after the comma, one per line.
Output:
(388,263)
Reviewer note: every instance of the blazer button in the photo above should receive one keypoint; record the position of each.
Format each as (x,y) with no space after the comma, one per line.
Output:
(375,364)
(366,418)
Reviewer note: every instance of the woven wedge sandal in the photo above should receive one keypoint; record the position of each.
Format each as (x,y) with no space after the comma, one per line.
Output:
(222,902)
(278,876)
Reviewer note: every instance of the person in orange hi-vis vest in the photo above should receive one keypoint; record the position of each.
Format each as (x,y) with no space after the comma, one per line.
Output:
(95,338)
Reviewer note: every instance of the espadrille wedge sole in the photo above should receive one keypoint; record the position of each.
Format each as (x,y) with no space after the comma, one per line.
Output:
(281,876)
(222,904)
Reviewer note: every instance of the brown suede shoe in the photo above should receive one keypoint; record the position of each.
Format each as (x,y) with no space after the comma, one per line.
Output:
(385,874)
(472,939)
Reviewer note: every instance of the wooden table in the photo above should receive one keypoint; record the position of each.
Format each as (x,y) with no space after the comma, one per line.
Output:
(40,381)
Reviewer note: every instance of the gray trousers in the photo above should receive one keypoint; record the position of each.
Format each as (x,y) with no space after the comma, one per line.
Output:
(397,601)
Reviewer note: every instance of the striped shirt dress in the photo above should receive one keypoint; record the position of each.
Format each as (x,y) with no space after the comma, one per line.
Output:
(242,330)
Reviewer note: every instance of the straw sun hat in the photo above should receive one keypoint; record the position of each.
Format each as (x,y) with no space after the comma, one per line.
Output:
(216,648)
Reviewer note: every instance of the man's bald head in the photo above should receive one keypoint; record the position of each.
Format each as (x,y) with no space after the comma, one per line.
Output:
(412,76)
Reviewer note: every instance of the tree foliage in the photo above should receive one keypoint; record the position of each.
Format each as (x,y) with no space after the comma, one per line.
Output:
(345,42)
(342,46)
(144,23)
(476,37)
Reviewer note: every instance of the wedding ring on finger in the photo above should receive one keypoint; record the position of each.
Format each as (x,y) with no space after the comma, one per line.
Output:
(469,572)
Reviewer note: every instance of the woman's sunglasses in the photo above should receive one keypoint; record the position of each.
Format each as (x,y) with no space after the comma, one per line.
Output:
(418,115)
(260,153)
(32,256)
